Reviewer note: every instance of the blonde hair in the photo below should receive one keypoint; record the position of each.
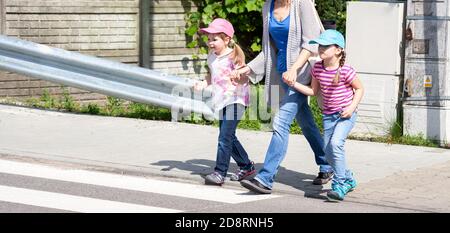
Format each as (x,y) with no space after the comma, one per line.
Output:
(337,77)
(238,55)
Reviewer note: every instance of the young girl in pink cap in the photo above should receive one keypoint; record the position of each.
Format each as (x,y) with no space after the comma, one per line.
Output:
(229,99)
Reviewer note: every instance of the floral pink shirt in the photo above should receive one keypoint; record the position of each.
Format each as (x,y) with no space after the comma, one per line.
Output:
(224,92)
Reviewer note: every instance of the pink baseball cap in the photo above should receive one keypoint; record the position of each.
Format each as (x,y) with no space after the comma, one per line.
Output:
(219,25)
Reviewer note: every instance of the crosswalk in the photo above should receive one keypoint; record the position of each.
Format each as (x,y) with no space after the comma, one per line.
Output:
(92,199)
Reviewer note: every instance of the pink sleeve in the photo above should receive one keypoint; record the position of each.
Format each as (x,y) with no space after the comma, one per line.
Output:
(351,75)
(313,75)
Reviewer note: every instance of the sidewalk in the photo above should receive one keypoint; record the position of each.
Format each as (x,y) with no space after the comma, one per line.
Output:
(410,177)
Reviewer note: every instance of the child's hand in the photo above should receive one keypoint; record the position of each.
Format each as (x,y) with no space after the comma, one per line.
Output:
(347,112)
(198,86)
(239,75)
(243,70)
(290,77)
(240,80)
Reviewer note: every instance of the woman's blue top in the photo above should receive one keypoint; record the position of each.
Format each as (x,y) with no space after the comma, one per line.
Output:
(279,31)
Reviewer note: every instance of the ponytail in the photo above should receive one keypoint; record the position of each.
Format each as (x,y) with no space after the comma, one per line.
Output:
(337,77)
(238,55)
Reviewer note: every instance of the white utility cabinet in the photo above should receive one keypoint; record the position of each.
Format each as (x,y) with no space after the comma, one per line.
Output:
(374,33)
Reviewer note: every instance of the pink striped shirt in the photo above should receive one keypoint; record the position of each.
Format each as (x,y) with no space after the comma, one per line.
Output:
(335,96)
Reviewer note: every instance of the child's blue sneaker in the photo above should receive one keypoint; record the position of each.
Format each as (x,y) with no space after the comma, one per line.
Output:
(337,192)
(351,184)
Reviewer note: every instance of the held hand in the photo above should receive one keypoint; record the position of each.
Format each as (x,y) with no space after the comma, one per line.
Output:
(244,69)
(239,75)
(347,112)
(290,77)
(234,77)
(243,79)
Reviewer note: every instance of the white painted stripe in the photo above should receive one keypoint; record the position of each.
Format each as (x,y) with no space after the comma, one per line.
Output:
(143,184)
(73,203)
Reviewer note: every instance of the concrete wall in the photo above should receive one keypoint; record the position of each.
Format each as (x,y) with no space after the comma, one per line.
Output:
(429,122)
(104,28)
(167,40)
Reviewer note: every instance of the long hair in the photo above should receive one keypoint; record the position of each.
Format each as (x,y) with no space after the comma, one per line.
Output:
(337,77)
(238,55)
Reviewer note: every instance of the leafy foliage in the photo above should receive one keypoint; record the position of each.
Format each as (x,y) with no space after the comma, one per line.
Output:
(245,15)
(333,10)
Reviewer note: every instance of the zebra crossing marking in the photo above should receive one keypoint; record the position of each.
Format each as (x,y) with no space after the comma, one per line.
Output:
(196,191)
(73,203)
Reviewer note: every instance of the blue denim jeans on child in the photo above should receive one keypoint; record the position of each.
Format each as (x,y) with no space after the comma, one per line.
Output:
(335,132)
(293,105)
(228,144)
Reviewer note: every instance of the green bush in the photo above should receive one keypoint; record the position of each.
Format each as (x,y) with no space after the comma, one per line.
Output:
(67,102)
(114,107)
(91,108)
(317,113)
(144,111)
(47,101)
(335,10)
(245,15)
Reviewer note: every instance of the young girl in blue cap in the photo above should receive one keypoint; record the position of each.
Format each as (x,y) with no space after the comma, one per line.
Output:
(341,91)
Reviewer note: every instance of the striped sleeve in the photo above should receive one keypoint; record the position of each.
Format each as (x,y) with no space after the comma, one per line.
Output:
(313,75)
(314,69)
(351,75)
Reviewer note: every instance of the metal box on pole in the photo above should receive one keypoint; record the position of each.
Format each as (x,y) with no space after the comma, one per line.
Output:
(426,93)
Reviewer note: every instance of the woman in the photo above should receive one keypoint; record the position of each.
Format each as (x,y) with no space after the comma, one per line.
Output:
(288,26)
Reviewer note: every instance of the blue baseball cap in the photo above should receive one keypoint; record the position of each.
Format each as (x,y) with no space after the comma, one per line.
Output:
(329,37)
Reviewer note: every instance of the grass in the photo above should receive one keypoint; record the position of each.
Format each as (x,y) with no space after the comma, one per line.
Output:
(120,108)
(47,101)
(395,136)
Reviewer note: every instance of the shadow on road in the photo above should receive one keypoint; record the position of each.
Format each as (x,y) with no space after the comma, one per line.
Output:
(203,167)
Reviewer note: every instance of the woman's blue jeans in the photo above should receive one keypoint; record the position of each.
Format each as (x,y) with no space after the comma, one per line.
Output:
(228,144)
(293,105)
(335,132)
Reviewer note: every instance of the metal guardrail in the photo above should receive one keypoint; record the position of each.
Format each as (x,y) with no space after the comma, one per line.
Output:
(101,76)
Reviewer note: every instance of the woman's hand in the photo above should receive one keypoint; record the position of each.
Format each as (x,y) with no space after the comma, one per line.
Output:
(240,80)
(290,77)
(243,70)
(240,75)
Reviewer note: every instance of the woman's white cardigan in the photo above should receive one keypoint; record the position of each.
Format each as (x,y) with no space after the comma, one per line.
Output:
(303,27)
